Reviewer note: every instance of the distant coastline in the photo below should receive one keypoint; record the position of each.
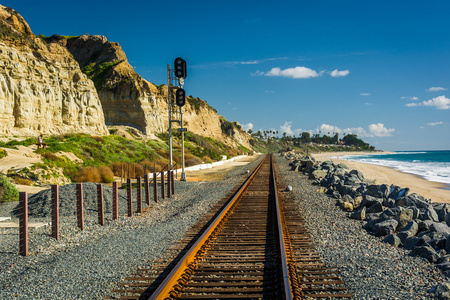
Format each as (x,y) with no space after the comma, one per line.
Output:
(436,191)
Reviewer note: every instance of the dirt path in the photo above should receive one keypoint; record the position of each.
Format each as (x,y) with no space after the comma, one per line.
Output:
(217,172)
(23,157)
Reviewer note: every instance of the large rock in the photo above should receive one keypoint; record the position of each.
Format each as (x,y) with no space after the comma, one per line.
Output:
(404,217)
(385,227)
(428,213)
(413,200)
(359,214)
(375,208)
(426,252)
(397,192)
(358,174)
(378,191)
(442,209)
(440,228)
(368,201)
(408,231)
(318,174)
(412,242)
(392,239)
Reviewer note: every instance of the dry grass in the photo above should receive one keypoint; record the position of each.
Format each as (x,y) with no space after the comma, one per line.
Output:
(89,174)
(192,160)
(106,174)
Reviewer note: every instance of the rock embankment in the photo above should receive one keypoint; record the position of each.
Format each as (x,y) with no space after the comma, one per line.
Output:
(404,220)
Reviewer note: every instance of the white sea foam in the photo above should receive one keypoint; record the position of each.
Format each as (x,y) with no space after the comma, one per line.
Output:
(432,171)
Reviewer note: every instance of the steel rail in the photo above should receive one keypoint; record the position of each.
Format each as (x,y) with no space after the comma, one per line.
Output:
(167,286)
(289,295)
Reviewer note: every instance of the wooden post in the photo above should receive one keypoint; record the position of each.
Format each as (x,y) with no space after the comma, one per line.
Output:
(80,210)
(155,187)
(163,186)
(129,197)
(173,184)
(115,204)
(101,218)
(55,211)
(139,195)
(23,224)
(147,189)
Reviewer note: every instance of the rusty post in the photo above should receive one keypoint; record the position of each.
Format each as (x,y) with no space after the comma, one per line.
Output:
(147,189)
(173,184)
(101,218)
(23,224)
(155,187)
(80,211)
(115,204)
(163,186)
(55,211)
(129,197)
(139,195)
(168,184)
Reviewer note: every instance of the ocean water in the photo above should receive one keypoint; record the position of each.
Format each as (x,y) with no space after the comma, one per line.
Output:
(431,165)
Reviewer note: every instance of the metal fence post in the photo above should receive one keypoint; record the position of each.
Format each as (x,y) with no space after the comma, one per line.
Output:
(55,211)
(115,204)
(155,187)
(129,197)
(139,195)
(163,185)
(168,184)
(80,210)
(147,189)
(23,224)
(101,218)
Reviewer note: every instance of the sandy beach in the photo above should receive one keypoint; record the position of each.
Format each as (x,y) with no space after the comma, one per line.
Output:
(437,192)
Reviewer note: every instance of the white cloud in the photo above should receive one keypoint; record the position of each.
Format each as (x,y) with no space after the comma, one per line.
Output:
(337,73)
(379,130)
(365,94)
(410,98)
(368,103)
(287,127)
(435,123)
(440,102)
(248,126)
(297,72)
(436,89)
(374,130)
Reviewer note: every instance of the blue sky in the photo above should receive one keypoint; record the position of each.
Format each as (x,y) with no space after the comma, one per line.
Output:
(379,69)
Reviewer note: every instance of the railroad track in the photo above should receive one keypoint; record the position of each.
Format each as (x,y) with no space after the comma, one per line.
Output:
(255,247)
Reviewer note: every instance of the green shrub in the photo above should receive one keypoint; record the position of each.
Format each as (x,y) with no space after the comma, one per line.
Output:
(3,153)
(8,192)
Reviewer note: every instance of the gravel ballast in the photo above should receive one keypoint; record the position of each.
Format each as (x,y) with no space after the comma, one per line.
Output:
(89,264)
(371,269)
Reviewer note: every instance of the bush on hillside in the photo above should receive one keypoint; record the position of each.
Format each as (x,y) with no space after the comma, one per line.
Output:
(8,192)
(3,153)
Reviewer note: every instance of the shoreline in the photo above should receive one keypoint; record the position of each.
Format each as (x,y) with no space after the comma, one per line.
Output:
(436,191)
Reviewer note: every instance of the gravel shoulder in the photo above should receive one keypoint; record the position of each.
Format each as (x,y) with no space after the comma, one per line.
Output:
(88,264)
(371,269)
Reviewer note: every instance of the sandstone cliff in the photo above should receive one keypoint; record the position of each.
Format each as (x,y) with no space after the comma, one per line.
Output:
(42,88)
(128,99)
(81,84)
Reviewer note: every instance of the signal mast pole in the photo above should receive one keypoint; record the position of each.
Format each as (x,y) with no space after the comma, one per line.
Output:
(180,72)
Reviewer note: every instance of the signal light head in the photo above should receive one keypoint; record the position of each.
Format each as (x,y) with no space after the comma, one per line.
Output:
(180,97)
(180,68)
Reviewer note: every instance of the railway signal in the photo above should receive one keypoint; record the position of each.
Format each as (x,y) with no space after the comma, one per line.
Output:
(180,68)
(180,97)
